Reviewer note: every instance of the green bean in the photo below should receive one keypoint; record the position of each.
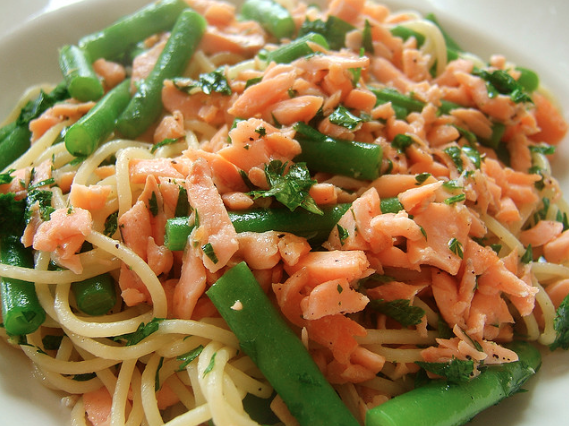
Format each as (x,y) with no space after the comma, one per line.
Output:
(272,16)
(498,130)
(146,104)
(405,33)
(95,296)
(280,355)
(334,30)
(21,310)
(14,145)
(15,137)
(297,48)
(82,82)
(83,137)
(400,102)
(528,79)
(330,155)
(316,228)
(116,39)
(6,130)
(442,404)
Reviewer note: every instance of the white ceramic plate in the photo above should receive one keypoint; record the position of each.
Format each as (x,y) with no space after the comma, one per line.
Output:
(532,34)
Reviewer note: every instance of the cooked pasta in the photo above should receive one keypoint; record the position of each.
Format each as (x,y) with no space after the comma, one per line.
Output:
(415,228)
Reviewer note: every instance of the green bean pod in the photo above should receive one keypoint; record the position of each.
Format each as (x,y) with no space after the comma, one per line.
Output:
(13,145)
(119,37)
(272,16)
(442,404)
(96,295)
(83,137)
(323,153)
(82,82)
(280,355)
(21,309)
(146,105)
(296,49)
(316,228)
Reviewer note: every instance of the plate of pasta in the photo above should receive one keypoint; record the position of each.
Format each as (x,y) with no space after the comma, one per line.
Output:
(284,213)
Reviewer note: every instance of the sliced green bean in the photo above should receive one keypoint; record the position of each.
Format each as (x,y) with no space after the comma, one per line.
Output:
(14,145)
(296,49)
(330,155)
(116,39)
(316,228)
(83,137)
(442,404)
(95,296)
(272,16)
(334,30)
(146,104)
(280,355)
(21,309)
(528,79)
(406,33)
(82,82)
(400,102)
(498,130)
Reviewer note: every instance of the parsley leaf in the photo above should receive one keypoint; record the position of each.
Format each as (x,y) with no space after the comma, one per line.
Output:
(210,366)
(500,82)
(34,108)
(210,252)
(6,177)
(561,326)
(111,224)
(455,371)
(401,142)
(400,310)
(454,152)
(163,142)
(456,247)
(290,189)
(209,83)
(189,357)
(142,332)
(343,117)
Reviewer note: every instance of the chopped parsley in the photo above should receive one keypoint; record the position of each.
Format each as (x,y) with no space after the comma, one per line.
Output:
(455,371)
(528,255)
(163,142)
(210,366)
(561,326)
(455,154)
(42,199)
(456,247)
(341,116)
(189,357)
(208,83)
(401,142)
(343,233)
(500,82)
(400,310)
(421,178)
(289,187)
(141,333)
(210,252)
(111,224)
(153,204)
